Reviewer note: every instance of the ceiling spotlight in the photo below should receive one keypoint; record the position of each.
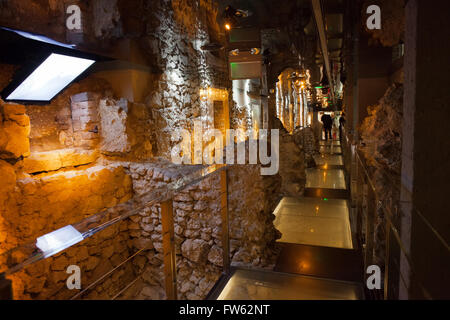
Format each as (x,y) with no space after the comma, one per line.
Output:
(231,12)
(255,51)
(228,26)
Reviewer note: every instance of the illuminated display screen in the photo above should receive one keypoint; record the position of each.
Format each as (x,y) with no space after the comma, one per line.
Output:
(52,76)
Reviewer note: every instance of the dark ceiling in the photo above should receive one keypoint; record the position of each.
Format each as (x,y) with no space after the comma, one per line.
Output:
(290,29)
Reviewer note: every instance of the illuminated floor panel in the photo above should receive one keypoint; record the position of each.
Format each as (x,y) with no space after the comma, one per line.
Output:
(314,221)
(329,142)
(329,159)
(330,149)
(261,285)
(328,179)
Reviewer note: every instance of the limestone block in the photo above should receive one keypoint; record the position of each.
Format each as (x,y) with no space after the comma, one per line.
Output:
(14,141)
(142,243)
(195,250)
(57,159)
(7,179)
(153,292)
(60,263)
(215,256)
(114,126)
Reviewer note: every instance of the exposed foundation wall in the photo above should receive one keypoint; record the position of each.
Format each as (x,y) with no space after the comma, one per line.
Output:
(175,43)
(89,150)
(381,112)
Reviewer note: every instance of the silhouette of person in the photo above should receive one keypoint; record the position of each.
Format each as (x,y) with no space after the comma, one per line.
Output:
(327,125)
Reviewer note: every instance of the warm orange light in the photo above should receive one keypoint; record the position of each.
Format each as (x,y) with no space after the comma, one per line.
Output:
(228,26)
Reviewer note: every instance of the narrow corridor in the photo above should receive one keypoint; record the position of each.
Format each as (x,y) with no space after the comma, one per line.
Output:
(318,221)
(318,260)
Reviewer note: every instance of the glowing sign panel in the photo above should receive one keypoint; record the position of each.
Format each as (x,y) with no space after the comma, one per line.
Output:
(52,76)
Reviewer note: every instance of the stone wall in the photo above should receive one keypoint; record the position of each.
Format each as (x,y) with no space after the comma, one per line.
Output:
(198,229)
(197,222)
(252,200)
(14,132)
(381,134)
(89,150)
(292,163)
(307,140)
(36,205)
(174,41)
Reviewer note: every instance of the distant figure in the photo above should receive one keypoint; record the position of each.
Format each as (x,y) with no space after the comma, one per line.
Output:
(341,125)
(327,125)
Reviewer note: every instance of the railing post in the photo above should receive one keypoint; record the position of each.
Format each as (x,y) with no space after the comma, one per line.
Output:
(353,191)
(225,221)
(170,265)
(359,201)
(5,288)
(370,221)
(386,259)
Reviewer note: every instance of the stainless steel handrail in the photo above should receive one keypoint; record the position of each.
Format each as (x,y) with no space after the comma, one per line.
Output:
(389,215)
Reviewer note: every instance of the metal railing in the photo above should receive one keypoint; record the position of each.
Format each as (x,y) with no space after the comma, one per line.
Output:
(376,214)
(29,254)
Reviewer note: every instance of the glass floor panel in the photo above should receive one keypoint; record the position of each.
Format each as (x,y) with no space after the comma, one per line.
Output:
(329,159)
(264,285)
(327,143)
(330,149)
(328,179)
(313,221)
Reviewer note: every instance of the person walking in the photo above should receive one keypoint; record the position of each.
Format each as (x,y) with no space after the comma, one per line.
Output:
(341,125)
(327,125)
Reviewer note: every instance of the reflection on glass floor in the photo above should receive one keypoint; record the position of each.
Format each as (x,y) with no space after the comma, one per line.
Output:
(331,149)
(329,159)
(314,221)
(329,142)
(328,179)
(263,285)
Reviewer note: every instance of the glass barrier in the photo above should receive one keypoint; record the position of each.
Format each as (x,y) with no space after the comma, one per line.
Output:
(58,242)
(378,221)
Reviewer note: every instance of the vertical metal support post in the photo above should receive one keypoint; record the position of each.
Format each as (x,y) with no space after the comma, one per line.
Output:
(387,259)
(370,221)
(359,197)
(353,182)
(225,221)
(356,76)
(170,265)
(5,288)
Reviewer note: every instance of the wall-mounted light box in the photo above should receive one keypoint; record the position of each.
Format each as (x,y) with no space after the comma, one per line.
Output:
(46,66)
(245,65)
